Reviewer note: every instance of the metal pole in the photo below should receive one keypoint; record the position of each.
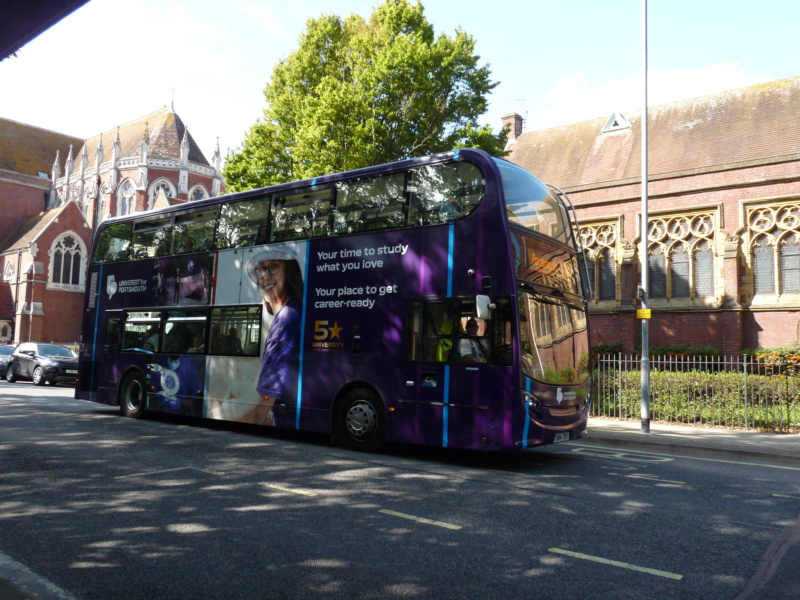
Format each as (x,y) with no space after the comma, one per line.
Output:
(645,369)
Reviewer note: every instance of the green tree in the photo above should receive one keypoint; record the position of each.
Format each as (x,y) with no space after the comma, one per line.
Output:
(358,93)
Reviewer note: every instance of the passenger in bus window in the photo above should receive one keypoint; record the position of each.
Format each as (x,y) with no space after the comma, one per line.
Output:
(451,209)
(217,345)
(187,244)
(151,339)
(233,344)
(198,346)
(473,348)
(261,236)
(280,282)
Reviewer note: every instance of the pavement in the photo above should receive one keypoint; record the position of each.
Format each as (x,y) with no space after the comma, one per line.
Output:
(715,442)
(680,440)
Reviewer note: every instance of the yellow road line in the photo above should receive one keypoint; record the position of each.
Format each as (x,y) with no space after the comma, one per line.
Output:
(783,496)
(615,563)
(420,519)
(686,457)
(646,477)
(283,489)
(162,471)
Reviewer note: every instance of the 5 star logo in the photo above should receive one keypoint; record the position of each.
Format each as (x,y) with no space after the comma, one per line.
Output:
(323,332)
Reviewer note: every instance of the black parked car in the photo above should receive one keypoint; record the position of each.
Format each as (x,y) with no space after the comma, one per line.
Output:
(5,354)
(43,363)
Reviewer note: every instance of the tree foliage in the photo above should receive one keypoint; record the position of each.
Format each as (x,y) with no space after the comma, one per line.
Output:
(358,93)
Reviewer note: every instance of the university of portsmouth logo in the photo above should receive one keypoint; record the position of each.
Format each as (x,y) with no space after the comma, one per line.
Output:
(111,286)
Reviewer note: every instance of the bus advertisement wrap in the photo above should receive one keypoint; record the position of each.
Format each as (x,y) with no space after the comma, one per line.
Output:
(350,305)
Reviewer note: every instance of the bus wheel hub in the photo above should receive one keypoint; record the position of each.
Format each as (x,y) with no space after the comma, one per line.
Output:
(361,419)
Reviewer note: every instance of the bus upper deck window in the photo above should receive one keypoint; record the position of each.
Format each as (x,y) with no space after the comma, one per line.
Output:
(243,223)
(370,203)
(114,243)
(194,232)
(301,215)
(152,237)
(445,192)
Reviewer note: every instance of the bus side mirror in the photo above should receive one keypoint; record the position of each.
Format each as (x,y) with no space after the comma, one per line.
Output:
(484,307)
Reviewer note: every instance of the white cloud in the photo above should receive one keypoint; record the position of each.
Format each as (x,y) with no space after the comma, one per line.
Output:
(266,16)
(572,100)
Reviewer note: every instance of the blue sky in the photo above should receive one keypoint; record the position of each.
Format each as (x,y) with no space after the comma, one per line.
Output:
(557,62)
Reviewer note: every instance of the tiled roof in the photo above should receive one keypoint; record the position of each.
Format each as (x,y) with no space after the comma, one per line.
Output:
(750,124)
(24,234)
(165,130)
(32,150)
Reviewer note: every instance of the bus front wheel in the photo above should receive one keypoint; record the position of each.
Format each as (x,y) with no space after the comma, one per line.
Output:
(132,400)
(361,421)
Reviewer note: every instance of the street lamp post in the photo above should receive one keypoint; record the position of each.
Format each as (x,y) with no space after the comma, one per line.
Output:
(644,312)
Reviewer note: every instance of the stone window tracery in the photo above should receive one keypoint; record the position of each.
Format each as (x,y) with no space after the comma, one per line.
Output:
(680,258)
(198,192)
(126,198)
(67,263)
(599,245)
(775,248)
(160,185)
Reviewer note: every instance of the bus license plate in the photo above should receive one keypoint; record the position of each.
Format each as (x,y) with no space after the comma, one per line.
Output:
(72,371)
(561,437)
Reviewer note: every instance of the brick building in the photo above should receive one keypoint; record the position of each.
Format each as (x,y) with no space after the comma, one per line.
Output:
(723,215)
(55,187)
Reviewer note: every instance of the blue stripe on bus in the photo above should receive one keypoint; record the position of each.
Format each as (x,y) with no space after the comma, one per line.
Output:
(94,335)
(446,408)
(302,345)
(314,182)
(446,399)
(527,416)
(455,155)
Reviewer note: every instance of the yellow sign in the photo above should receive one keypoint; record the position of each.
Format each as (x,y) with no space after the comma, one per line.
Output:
(643,313)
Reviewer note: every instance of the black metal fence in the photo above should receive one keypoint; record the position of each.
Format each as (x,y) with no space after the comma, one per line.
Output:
(732,391)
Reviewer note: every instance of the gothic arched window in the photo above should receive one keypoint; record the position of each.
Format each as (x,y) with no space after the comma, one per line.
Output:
(126,198)
(600,243)
(67,262)
(158,186)
(198,192)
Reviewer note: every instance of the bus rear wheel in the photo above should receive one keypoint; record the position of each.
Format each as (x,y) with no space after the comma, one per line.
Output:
(361,421)
(132,399)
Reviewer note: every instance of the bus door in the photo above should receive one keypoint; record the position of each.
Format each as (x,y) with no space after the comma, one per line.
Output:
(447,377)
(128,337)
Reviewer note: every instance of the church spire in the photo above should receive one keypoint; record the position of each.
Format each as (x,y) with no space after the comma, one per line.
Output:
(185,146)
(217,158)
(57,166)
(68,163)
(98,154)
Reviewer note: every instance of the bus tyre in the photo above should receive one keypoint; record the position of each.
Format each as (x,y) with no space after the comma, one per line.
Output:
(132,397)
(361,421)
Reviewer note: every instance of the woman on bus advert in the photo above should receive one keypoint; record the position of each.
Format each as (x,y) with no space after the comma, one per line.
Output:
(277,274)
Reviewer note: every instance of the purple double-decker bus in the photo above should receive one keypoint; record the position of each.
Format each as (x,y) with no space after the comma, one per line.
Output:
(435,300)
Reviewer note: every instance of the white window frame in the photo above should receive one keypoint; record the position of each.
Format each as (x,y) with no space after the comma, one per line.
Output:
(84,254)
(152,193)
(194,189)
(129,202)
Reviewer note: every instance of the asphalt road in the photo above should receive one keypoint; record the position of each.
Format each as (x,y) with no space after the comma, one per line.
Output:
(96,506)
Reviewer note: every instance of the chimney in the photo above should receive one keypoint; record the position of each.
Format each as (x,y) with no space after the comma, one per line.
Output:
(513,123)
